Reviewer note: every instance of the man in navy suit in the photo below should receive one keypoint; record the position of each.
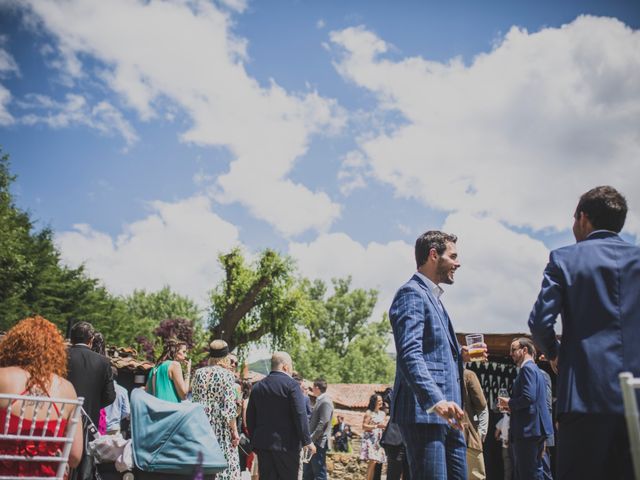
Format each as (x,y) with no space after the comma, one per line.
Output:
(595,286)
(277,421)
(531,422)
(427,394)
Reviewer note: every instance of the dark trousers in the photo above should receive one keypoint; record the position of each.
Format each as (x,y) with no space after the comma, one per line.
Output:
(435,451)
(316,469)
(527,453)
(593,446)
(274,465)
(397,463)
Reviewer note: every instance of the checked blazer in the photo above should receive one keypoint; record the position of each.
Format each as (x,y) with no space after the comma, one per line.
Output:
(428,363)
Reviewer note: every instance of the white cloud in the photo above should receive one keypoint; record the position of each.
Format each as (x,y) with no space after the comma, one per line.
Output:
(494,290)
(103,116)
(185,52)
(176,245)
(500,275)
(384,267)
(320,24)
(520,132)
(8,66)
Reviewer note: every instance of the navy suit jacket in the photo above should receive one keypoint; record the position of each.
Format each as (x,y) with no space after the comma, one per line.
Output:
(276,414)
(595,286)
(428,362)
(530,415)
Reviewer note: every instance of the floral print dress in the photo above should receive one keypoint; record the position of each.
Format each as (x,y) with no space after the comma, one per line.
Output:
(213,388)
(370,448)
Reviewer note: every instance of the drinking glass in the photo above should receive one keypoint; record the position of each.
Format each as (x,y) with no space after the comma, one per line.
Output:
(475,342)
(504,393)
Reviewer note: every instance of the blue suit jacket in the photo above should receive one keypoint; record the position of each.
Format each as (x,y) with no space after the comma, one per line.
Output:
(428,362)
(530,415)
(276,414)
(595,286)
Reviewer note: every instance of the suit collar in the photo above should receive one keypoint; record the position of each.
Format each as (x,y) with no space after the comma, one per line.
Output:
(439,308)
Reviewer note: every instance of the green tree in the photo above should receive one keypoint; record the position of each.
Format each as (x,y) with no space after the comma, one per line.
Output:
(32,278)
(336,342)
(255,300)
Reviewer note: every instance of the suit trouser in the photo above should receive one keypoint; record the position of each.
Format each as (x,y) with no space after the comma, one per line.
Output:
(316,469)
(593,446)
(274,465)
(527,456)
(435,451)
(397,464)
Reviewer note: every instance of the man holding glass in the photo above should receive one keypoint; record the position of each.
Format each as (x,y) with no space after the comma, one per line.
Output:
(531,422)
(595,286)
(427,394)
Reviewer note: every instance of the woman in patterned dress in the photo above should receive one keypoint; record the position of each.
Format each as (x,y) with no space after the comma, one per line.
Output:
(373,425)
(213,388)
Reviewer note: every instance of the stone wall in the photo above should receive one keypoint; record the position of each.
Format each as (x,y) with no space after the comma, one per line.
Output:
(346,466)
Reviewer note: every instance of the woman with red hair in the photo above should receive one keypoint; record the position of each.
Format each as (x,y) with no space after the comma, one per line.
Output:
(33,361)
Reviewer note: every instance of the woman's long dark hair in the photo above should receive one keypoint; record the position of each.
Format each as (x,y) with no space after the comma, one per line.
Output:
(171,348)
(372,402)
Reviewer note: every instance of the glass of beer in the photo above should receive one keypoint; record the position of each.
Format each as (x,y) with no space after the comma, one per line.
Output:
(475,342)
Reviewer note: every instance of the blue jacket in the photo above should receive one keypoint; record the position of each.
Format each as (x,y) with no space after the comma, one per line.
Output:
(428,363)
(530,415)
(595,286)
(276,414)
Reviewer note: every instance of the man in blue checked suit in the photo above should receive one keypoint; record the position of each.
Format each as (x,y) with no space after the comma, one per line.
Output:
(427,394)
(531,422)
(595,286)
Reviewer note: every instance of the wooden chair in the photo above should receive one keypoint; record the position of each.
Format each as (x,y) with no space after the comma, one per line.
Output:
(629,386)
(30,409)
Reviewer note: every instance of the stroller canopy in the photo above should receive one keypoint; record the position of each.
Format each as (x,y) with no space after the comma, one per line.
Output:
(167,437)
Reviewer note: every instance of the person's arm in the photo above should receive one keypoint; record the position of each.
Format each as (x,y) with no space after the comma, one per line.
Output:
(324,417)
(299,413)
(175,374)
(483,422)
(126,406)
(251,413)
(108,394)
(545,311)
(367,423)
(478,400)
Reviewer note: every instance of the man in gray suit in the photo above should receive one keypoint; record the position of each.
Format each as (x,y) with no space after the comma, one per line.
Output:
(320,428)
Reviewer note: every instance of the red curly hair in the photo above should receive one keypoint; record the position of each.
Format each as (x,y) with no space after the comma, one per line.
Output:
(35,345)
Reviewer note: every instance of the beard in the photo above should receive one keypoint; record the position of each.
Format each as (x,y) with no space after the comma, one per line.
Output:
(443,272)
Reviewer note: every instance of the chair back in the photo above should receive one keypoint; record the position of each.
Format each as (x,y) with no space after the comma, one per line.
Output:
(33,425)
(629,385)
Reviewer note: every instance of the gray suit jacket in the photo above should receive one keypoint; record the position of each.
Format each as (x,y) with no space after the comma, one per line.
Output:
(320,424)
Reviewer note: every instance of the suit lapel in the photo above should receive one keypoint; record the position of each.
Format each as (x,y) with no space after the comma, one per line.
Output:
(443,316)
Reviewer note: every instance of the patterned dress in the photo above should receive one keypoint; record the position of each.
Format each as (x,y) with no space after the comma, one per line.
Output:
(370,448)
(213,388)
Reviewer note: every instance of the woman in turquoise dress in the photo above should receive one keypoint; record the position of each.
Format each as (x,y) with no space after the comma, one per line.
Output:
(214,388)
(165,379)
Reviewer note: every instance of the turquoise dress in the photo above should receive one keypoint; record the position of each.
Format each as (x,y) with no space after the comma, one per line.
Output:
(164,387)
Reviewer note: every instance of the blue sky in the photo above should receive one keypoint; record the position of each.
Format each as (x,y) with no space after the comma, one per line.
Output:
(152,135)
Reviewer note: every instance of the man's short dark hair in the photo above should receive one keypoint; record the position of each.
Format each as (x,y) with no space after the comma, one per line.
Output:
(81,332)
(432,239)
(297,377)
(527,342)
(605,208)
(321,384)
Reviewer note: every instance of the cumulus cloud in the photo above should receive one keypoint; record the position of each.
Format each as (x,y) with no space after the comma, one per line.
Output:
(519,132)
(8,66)
(103,116)
(494,289)
(176,245)
(185,52)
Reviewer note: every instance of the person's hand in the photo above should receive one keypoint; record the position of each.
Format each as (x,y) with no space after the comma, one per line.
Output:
(311,448)
(466,357)
(503,404)
(451,412)
(235,438)
(554,365)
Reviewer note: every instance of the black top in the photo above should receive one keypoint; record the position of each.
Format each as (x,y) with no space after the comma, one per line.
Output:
(276,414)
(90,373)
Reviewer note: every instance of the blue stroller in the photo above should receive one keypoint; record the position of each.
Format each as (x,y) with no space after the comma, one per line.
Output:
(170,441)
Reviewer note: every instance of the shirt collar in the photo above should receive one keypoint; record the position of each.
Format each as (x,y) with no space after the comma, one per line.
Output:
(601,231)
(435,289)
